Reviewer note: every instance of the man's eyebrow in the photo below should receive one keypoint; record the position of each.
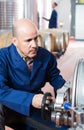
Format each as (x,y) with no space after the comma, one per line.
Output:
(30,39)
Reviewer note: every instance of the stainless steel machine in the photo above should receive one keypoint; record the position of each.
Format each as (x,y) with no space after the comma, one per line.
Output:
(68,108)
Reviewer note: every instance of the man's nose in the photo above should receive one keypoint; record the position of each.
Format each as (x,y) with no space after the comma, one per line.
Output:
(34,43)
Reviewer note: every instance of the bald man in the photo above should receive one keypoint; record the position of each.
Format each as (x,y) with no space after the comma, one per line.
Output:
(20,87)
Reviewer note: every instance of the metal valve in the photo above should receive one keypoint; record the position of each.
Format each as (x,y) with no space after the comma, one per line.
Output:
(68,108)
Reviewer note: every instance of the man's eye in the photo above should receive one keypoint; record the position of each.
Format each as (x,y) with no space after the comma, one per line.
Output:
(28,40)
(36,38)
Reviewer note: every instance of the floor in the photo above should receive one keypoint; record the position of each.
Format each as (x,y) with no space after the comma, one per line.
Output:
(67,62)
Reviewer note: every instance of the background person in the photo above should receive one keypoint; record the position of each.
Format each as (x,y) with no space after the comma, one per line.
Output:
(54,17)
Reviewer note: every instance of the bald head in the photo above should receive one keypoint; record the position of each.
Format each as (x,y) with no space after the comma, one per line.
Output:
(25,37)
(23,26)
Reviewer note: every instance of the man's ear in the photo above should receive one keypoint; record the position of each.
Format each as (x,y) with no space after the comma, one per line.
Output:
(14,40)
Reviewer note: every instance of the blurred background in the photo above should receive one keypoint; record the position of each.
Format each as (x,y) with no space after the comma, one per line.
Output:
(70,14)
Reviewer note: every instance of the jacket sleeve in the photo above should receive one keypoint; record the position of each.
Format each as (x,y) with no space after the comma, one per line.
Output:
(53,74)
(17,100)
(53,18)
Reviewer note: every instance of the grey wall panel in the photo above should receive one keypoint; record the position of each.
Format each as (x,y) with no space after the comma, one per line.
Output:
(11,10)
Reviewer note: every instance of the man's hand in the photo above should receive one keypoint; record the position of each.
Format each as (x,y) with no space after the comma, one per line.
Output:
(45,19)
(37,100)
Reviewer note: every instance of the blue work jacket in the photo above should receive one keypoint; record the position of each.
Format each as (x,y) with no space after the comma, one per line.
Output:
(18,85)
(53,19)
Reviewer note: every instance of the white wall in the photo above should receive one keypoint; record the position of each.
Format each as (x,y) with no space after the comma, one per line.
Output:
(64,13)
(79,22)
(44,9)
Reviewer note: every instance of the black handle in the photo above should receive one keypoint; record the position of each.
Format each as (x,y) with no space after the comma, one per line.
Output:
(46,114)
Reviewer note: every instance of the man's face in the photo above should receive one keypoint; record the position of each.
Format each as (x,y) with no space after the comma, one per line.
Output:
(27,43)
(53,5)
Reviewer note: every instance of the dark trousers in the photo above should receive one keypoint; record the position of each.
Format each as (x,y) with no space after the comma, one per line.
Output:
(20,122)
(12,119)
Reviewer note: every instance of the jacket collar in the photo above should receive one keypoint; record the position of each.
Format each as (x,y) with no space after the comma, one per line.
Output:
(20,62)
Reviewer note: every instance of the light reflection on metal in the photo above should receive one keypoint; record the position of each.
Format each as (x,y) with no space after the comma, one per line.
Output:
(10,10)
